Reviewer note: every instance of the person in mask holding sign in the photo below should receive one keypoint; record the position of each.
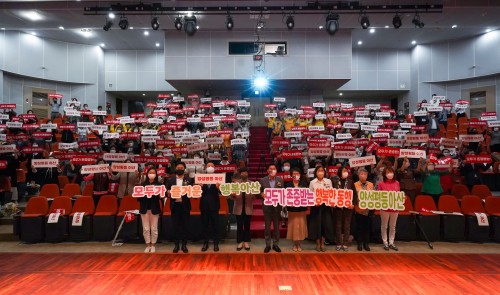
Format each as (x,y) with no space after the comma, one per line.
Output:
(150,209)
(297,219)
(209,208)
(180,207)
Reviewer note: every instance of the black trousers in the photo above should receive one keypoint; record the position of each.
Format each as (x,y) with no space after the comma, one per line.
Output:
(210,220)
(363,228)
(243,228)
(180,222)
(272,214)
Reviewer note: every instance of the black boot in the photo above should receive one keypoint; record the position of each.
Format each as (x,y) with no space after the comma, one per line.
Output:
(216,246)
(360,246)
(176,247)
(366,246)
(205,246)
(184,247)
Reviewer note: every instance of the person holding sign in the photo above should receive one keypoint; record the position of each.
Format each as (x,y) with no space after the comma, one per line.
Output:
(180,208)
(297,219)
(406,176)
(363,216)
(271,213)
(100,180)
(342,215)
(54,107)
(209,208)
(150,209)
(389,217)
(127,181)
(431,184)
(321,217)
(243,210)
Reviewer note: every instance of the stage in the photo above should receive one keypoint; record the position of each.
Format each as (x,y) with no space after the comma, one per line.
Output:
(230,272)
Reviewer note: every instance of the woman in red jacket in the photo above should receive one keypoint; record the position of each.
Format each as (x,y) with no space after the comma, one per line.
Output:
(388,217)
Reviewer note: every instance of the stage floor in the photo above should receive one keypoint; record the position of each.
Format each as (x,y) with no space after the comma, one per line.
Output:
(248,272)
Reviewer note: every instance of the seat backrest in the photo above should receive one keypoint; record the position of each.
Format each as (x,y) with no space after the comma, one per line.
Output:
(88,189)
(84,204)
(128,203)
(424,202)
(448,203)
(408,204)
(50,190)
(495,167)
(107,203)
(195,204)
(459,190)
(37,205)
(71,189)
(481,190)
(492,205)
(5,183)
(472,204)
(63,180)
(61,203)
(223,205)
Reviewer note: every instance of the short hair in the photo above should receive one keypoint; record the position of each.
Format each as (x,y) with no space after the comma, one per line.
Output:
(242,169)
(269,166)
(362,170)
(387,169)
(296,169)
(181,163)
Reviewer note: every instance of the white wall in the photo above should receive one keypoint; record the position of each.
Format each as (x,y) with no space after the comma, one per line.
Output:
(135,70)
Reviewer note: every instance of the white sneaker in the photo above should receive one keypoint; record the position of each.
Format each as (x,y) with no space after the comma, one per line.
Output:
(153,249)
(148,249)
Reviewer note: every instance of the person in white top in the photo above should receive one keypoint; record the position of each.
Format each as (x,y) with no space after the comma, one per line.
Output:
(321,217)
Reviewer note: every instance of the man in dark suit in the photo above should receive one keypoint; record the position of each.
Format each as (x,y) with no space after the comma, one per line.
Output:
(271,213)
(180,208)
(209,208)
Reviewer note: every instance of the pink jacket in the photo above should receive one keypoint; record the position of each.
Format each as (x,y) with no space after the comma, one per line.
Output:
(389,185)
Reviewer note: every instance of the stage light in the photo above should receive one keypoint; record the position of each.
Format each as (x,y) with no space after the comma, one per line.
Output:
(332,23)
(190,26)
(396,21)
(260,83)
(108,25)
(111,15)
(364,22)
(229,22)
(178,23)
(417,22)
(123,23)
(155,24)
(290,22)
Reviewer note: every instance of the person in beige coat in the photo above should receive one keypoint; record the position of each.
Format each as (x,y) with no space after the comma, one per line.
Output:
(243,210)
(127,182)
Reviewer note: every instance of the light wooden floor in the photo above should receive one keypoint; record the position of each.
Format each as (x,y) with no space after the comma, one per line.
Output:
(248,273)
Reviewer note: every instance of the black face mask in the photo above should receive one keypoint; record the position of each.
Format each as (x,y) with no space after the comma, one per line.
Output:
(179,172)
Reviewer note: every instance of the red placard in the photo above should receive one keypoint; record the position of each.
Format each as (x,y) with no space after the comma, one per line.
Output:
(324,144)
(32,150)
(346,119)
(166,142)
(371,146)
(27,116)
(67,127)
(473,123)
(391,122)
(163,95)
(151,105)
(270,105)
(3,164)
(83,160)
(225,168)
(291,154)
(478,159)
(179,150)
(333,170)
(130,135)
(154,160)
(88,143)
(86,113)
(380,139)
(137,115)
(311,133)
(386,130)
(344,147)
(285,175)
(388,151)
(280,142)
(42,135)
(299,128)
(419,128)
(359,141)
(55,95)
(7,106)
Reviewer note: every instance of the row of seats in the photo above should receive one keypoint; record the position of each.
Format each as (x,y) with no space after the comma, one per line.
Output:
(102,222)
(447,227)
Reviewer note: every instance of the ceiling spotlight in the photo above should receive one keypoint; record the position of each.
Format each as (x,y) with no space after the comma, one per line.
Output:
(111,15)
(396,21)
(108,25)
(229,22)
(178,23)
(364,22)
(146,33)
(417,22)
(123,24)
(33,33)
(332,23)
(488,30)
(360,42)
(320,27)
(454,26)
(131,28)
(190,25)
(372,30)
(290,23)
(386,27)
(157,44)
(155,24)
(102,45)
(61,28)
(341,94)
(413,42)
